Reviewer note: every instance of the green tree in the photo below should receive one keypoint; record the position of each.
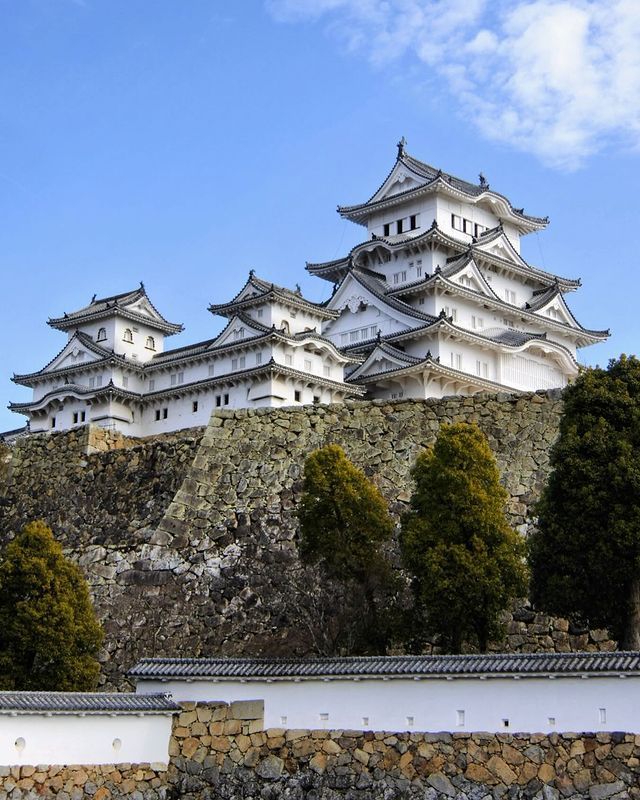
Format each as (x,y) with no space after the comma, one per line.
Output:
(585,555)
(49,635)
(466,562)
(344,524)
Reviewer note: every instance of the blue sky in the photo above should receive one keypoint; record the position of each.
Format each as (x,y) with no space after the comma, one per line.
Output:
(184,142)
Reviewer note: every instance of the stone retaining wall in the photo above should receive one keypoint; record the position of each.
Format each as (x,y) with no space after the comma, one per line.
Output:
(223,751)
(188,540)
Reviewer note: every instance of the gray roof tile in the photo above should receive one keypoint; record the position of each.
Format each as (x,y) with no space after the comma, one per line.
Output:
(85,703)
(398,666)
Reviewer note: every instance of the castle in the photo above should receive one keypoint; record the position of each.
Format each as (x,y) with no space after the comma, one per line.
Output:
(436,301)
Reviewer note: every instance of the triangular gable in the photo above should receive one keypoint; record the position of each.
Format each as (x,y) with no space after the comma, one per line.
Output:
(352,293)
(557,310)
(238,330)
(144,308)
(500,246)
(400,179)
(469,276)
(383,358)
(75,353)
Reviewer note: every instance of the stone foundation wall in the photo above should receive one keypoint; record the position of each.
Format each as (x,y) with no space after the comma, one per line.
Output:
(188,540)
(223,751)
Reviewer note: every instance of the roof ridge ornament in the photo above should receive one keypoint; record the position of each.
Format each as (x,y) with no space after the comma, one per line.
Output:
(401,147)
(483,181)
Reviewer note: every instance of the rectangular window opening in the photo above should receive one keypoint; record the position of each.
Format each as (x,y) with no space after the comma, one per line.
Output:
(409,722)
(226,400)
(165,413)
(460,716)
(399,226)
(296,395)
(386,229)
(194,406)
(602,715)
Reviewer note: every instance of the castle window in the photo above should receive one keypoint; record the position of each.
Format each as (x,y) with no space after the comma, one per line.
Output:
(260,311)
(157,414)
(344,338)
(92,382)
(460,716)
(456,222)
(386,230)
(75,417)
(194,406)
(127,336)
(238,333)
(477,322)
(226,399)
(419,271)
(258,358)
(288,359)
(102,334)
(218,401)
(482,369)
(307,365)
(316,399)
(507,323)
(413,221)
(326,371)
(468,227)
(456,360)
(285,326)
(125,381)
(165,413)
(211,370)
(510,296)
(451,312)
(152,384)
(399,226)
(53,422)
(505,723)
(479,230)
(241,362)
(602,715)
(151,343)
(296,395)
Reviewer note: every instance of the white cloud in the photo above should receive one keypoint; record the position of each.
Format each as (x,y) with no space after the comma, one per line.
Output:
(558,78)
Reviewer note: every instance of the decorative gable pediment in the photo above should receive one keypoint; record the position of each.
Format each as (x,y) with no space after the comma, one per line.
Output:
(383,358)
(238,329)
(558,311)
(500,247)
(74,354)
(470,277)
(401,179)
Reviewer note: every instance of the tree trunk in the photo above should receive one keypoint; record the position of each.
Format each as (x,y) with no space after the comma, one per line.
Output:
(632,632)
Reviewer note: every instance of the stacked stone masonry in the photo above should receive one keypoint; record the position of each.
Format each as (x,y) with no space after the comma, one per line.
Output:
(189,540)
(223,751)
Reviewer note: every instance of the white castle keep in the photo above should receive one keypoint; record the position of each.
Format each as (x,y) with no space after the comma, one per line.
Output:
(437,300)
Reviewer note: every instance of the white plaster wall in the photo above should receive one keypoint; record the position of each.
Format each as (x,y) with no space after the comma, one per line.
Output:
(424,207)
(140,333)
(73,739)
(527,704)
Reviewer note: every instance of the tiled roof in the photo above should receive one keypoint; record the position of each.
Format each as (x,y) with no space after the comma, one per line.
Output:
(85,703)
(100,307)
(431,175)
(392,666)
(265,290)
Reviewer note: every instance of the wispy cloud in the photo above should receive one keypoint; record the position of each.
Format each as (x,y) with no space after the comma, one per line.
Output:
(558,78)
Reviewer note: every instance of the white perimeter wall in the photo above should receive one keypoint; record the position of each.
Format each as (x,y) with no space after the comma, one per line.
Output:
(92,739)
(528,704)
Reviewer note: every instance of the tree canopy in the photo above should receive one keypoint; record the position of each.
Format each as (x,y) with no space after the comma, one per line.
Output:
(49,635)
(467,563)
(344,522)
(585,555)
